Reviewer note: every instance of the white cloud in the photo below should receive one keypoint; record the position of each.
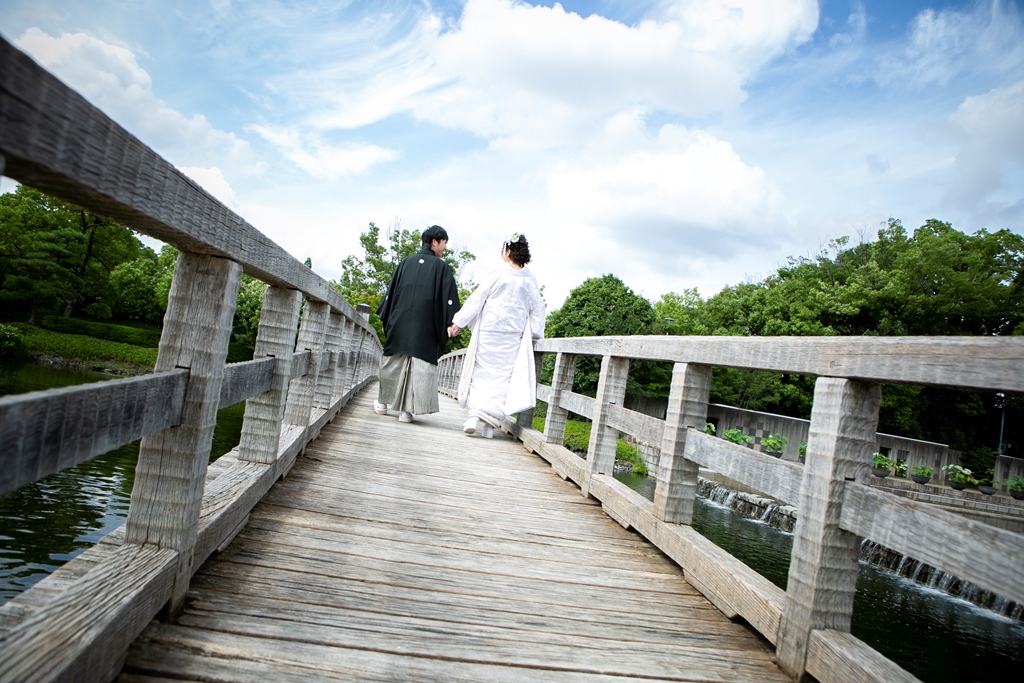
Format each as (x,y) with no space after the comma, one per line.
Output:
(320,159)
(990,132)
(110,77)
(214,182)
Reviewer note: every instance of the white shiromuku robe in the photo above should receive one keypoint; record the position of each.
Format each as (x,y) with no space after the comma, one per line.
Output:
(505,314)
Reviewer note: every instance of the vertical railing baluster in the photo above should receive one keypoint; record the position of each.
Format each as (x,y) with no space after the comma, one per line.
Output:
(561,382)
(677,477)
(323,397)
(611,389)
(341,372)
(261,426)
(311,338)
(525,418)
(823,569)
(171,471)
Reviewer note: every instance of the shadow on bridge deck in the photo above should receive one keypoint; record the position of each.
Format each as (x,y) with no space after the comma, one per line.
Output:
(414,552)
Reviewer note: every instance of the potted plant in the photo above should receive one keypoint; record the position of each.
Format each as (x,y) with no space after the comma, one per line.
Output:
(921,474)
(737,436)
(958,477)
(774,444)
(988,488)
(899,469)
(881,465)
(1015,485)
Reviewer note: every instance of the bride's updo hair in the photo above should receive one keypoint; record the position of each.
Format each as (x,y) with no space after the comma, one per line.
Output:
(518,249)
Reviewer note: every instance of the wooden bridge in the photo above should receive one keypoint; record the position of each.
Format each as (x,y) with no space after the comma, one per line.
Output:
(333,543)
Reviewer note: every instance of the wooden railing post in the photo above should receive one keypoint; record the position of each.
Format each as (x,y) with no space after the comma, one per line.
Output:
(261,426)
(677,477)
(171,471)
(611,389)
(525,418)
(823,569)
(341,373)
(561,381)
(324,395)
(311,338)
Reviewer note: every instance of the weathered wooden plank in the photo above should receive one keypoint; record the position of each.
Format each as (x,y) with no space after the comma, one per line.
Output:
(773,477)
(275,340)
(312,332)
(985,555)
(611,389)
(938,361)
(577,403)
(39,432)
(169,478)
(644,427)
(732,586)
(823,569)
(83,633)
(54,140)
(544,393)
(300,364)
(245,380)
(676,489)
(837,657)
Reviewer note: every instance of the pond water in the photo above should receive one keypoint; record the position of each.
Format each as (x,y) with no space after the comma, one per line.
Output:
(45,524)
(936,637)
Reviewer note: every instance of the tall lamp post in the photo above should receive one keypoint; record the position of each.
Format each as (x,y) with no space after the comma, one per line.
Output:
(668,324)
(999,403)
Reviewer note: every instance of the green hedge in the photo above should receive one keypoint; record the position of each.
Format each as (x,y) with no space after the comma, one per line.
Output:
(121,334)
(577,440)
(77,346)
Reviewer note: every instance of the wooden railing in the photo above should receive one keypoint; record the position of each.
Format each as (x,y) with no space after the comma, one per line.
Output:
(78,623)
(809,622)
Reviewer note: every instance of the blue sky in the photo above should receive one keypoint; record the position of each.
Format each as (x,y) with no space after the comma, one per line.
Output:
(675,144)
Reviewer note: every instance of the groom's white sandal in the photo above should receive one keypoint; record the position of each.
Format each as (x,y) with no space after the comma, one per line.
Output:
(380,408)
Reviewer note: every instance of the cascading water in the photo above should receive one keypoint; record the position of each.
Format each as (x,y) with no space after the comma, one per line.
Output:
(926,575)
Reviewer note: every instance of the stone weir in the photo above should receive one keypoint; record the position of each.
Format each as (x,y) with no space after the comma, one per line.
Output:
(770,511)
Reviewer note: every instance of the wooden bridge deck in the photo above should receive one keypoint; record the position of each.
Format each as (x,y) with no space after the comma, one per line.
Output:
(413,552)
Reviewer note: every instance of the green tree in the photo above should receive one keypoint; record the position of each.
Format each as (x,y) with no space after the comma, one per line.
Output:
(605,306)
(57,256)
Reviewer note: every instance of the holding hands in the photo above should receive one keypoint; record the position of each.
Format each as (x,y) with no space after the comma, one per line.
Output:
(453,330)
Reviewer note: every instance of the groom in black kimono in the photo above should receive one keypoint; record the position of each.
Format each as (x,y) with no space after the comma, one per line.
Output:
(416,312)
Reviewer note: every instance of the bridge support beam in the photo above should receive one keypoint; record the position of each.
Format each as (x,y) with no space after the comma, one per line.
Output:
(324,395)
(171,473)
(677,477)
(261,426)
(611,390)
(823,570)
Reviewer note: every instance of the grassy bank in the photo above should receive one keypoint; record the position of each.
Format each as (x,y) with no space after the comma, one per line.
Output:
(577,440)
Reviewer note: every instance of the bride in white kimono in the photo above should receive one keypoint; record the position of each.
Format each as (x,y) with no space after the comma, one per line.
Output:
(505,314)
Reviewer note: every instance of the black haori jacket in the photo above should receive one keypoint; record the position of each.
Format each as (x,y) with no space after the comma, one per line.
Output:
(418,308)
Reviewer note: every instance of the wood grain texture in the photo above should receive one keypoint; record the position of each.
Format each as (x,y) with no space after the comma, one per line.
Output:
(577,403)
(676,490)
(823,569)
(611,389)
(82,634)
(837,657)
(985,555)
(168,490)
(323,396)
(300,364)
(245,380)
(361,566)
(43,432)
(561,387)
(275,340)
(311,337)
(647,429)
(54,140)
(778,479)
(995,363)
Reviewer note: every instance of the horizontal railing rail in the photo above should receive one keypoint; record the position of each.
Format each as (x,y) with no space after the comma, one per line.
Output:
(809,622)
(78,623)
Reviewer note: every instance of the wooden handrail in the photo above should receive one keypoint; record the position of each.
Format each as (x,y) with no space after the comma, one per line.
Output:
(51,138)
(810,622)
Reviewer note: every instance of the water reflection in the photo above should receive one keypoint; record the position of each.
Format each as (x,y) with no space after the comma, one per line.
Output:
(936,637)
(47,523)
